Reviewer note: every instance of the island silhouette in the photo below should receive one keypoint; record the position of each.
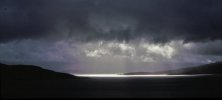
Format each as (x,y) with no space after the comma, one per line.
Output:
(212,68)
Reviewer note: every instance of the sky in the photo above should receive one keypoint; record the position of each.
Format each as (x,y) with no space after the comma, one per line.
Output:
(110,36)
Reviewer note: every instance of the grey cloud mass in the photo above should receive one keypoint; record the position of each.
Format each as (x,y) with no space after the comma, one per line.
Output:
(109,36)
(158,20)
(109,56)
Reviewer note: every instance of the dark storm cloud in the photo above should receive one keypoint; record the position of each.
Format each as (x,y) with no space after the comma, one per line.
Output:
(35,18)
(162,20)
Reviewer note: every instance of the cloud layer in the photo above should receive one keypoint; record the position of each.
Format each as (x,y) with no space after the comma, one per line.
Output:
(110,36)
(157,20)
(109,56)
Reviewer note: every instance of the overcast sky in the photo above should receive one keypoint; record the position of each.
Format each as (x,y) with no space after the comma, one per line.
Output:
(110,36)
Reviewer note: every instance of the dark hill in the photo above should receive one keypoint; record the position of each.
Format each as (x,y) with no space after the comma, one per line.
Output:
(29,72)
(213,68)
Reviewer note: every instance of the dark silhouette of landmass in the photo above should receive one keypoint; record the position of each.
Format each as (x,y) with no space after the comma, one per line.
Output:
(213,68)
(29,72)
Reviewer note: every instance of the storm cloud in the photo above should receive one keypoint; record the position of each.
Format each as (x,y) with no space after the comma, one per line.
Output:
(109,36)
(158,20)
(109,56)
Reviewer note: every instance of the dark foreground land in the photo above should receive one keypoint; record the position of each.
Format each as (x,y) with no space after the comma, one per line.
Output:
(34,82)
(205,86)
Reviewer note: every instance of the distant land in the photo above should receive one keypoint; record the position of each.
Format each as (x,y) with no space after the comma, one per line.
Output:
(29,72)
(213,68)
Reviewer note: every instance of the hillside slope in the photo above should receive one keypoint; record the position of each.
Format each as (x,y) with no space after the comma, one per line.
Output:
(28,72)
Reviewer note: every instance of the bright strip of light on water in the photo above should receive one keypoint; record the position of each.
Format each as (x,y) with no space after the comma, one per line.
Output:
(128,76)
